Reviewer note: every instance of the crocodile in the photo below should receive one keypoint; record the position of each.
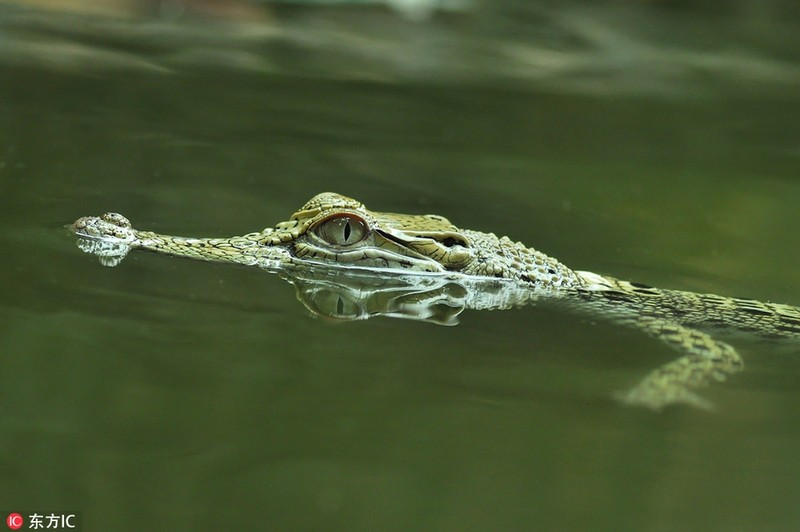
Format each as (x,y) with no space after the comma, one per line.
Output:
(424,267)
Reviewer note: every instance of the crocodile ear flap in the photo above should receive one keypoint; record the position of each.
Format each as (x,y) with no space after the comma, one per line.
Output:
(446,238)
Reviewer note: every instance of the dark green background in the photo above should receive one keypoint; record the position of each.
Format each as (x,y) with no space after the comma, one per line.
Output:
(167,394)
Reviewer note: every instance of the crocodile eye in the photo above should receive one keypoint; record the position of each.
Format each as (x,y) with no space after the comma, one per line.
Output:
(342,230)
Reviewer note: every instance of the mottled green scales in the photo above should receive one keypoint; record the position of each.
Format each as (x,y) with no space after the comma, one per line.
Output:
(474,270)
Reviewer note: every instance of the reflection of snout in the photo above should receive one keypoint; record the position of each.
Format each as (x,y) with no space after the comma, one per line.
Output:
(108,253)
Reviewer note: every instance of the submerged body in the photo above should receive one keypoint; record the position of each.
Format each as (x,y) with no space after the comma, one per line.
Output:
(334,231)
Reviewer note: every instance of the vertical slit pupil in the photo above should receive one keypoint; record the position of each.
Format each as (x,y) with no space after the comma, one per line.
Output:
(347,230)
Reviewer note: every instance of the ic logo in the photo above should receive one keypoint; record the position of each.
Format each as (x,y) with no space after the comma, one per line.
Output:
(15,521)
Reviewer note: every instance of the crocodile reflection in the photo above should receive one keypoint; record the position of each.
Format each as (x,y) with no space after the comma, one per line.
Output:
(352,294)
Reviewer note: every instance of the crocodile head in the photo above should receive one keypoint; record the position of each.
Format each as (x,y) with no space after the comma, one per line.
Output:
(336,230)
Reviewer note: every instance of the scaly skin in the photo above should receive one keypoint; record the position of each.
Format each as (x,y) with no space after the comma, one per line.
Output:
(332,230)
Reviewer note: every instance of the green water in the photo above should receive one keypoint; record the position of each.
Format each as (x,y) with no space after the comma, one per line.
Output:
(172,395)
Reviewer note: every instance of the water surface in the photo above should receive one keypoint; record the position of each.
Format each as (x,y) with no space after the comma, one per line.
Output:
(204,396)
